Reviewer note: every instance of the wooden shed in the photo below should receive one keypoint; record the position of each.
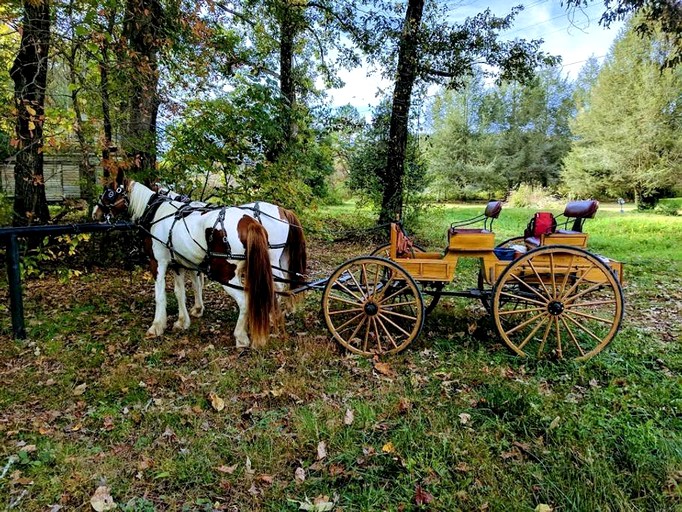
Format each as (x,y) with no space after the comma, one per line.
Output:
(62,179)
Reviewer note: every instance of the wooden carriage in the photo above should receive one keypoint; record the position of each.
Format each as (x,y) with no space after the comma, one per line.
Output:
(547,296)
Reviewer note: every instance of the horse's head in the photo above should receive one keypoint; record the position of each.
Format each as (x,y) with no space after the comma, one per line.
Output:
(114,200)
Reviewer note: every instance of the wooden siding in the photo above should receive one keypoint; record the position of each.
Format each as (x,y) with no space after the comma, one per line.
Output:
(62,180)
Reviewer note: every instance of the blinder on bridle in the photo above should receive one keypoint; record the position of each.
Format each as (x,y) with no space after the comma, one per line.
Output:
(110,201)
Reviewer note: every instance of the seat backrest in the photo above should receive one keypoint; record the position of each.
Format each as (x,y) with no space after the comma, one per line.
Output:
(580,210)
(493,209)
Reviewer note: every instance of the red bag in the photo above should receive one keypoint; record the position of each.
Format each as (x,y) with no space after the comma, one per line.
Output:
(542,223)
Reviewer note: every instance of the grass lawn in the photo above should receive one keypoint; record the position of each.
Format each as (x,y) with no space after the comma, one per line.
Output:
(456,422)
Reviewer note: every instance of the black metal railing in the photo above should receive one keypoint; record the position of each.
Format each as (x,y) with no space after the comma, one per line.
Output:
(10,236)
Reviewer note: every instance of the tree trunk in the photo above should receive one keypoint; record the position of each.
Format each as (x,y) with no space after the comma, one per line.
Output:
(29,74)
(143,25)
(107,143)
(286,79)
(408,61)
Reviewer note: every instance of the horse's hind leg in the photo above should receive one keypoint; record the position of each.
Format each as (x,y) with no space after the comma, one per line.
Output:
(198,286)
(183,321)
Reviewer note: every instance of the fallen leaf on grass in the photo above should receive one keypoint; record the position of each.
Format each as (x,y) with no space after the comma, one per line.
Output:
(108,423)
(384,368)
(226,469)
(321,450)
(248,470)
(422,497)
(29,448)
(216,402)
(319,504)
(299,475)
(268,479)
(349,417)
(102,500)
(464,418)
(543,508)
(388,448)
(80,389)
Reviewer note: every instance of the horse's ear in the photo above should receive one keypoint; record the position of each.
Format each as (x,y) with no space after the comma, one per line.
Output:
(120,177)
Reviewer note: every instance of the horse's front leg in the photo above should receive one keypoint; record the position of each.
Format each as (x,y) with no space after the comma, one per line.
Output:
(183,321)
(240,335)
(159,323)
(198,285)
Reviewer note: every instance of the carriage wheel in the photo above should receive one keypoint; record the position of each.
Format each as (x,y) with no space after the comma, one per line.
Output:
(557,300)
(435,287)
(373,306)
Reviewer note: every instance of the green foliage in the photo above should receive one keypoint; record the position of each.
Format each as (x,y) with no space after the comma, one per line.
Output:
(493,139)
(53,252)
(223,147)
(532,196)
(628,130)
(367,166)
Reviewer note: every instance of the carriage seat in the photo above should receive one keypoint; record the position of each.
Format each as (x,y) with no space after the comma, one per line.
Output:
(576,212)
(475,239)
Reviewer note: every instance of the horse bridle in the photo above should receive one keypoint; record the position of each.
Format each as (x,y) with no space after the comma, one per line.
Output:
(113,198)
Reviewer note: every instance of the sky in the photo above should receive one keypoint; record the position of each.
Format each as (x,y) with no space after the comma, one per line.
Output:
(574,35)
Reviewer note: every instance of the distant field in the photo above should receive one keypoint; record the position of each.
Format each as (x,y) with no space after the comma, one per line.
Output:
(456,422)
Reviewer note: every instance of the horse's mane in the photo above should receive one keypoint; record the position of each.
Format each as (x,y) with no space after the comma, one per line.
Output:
(139,197)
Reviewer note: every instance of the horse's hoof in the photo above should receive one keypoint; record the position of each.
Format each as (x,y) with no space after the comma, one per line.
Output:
(181,326)
(196,312)
(154,332)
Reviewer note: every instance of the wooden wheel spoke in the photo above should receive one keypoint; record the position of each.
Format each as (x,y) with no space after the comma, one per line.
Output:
(345,288)
(524,299)
(568,273)
(394,325)
(591,303)
(515,311)
(553,272)
(376,333)
(577,283)
(532,333)
(524,324)
(365,343)
(559,351)
(386,286)
(341,311)
(344,300)
(583,328)
(541,348)
(527,286)
(584,292)
(394,313)
(401,290)
(573,338)
(388,334)
(396,304)
(362,290)
(530,264)
(341,327)
(593,317)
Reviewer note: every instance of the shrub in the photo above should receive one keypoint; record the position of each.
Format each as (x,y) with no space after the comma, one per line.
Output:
(532,196)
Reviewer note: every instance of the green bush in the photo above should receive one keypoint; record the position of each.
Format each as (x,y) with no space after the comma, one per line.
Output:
(532,196)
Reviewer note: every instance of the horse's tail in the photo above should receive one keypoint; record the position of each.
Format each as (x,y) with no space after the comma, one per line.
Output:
(259,285)
(295,250)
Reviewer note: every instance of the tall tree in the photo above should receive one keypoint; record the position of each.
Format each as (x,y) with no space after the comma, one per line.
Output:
(144,28)
(431,49)
(29,73)
(629,139)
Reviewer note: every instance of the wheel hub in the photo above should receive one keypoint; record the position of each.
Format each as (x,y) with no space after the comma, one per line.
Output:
(371,309)
(555,308)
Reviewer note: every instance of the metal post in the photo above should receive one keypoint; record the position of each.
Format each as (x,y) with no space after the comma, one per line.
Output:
(16,301)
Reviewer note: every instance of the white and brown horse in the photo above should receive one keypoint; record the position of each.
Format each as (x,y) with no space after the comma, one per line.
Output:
(227,243)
